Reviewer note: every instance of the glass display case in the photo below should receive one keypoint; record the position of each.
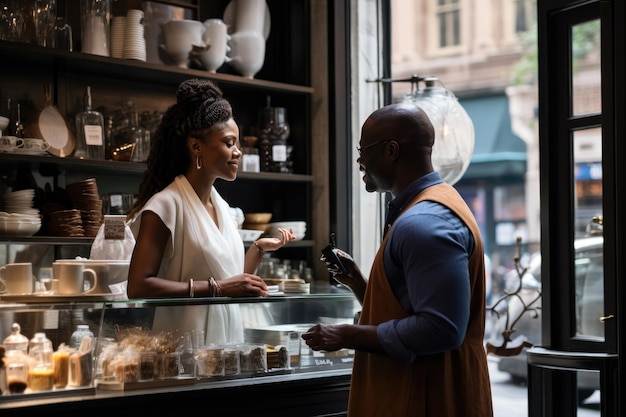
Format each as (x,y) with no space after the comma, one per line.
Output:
(135,352)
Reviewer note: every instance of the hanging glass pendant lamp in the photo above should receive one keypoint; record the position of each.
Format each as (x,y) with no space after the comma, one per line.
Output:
(454,130)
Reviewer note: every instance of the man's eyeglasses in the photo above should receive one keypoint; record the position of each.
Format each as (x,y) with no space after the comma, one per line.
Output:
(361,148)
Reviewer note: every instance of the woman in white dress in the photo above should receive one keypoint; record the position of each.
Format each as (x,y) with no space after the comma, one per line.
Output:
(187,243)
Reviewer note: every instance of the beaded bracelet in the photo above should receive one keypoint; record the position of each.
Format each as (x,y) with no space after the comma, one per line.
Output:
(191,288)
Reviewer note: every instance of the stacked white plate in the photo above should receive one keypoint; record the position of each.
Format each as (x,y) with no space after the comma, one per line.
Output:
(295,287)
(298,227)
(20,202)
(19,218)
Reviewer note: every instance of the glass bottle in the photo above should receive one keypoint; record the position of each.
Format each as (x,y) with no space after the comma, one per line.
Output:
(273,132)
(138,135)
(89,131)
(82,330)
(20,130)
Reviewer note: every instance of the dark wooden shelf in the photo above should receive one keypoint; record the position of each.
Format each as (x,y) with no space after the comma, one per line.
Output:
(132,70)
(122,167)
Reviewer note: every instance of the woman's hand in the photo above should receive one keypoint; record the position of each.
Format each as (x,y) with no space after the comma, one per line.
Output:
(269,244)
(243,285)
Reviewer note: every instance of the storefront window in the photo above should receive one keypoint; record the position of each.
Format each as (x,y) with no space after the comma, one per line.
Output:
(585,69)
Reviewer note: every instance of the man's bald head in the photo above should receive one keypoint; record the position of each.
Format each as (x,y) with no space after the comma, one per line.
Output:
(403,122)
(396,147)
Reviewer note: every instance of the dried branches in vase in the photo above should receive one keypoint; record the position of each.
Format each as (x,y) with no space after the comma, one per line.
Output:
(514,346)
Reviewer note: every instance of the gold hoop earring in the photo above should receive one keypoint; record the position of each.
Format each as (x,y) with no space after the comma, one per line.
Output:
(198,162)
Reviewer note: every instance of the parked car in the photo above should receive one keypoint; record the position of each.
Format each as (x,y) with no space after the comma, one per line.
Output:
(589,269)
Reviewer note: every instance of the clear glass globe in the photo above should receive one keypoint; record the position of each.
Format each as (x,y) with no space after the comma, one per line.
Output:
(454,130)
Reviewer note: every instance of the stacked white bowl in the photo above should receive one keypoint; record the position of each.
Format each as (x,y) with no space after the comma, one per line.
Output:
(19,218)
(298,227)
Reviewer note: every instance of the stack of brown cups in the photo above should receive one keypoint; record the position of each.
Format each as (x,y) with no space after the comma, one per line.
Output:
(67,223)
(85,197)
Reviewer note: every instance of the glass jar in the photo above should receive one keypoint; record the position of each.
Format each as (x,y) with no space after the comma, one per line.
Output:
(16,340)
(16,367)
(41,372)
(273,132)
(40,350)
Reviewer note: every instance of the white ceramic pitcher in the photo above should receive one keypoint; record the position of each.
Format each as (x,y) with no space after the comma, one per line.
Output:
(216,39)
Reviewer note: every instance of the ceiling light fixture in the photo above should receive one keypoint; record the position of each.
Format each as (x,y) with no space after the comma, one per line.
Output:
(454,129)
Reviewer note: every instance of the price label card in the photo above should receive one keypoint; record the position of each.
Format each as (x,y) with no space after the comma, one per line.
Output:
(114,226)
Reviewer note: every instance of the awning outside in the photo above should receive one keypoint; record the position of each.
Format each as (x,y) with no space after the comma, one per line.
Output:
(497,151)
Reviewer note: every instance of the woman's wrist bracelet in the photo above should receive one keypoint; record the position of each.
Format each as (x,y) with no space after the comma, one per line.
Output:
(259,248)
(214,288)
(192,289)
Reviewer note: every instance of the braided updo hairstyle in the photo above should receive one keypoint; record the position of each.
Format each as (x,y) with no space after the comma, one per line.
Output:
(199,108)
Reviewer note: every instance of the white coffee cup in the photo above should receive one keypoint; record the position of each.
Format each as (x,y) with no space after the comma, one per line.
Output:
(10,143)
(17,278)
(35,144)
(72,278)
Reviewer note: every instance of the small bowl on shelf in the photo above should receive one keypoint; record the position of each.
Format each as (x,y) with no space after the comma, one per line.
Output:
(257,218)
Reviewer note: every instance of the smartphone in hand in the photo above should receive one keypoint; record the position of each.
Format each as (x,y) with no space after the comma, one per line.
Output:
(330,256)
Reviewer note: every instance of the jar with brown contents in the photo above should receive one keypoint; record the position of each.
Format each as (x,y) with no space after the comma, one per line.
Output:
(40,378)
(61,365)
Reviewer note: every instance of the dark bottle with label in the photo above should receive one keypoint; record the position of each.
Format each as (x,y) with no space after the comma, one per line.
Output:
(273,132)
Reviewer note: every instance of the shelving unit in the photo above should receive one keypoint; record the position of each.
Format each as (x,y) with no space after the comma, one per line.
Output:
(285,78)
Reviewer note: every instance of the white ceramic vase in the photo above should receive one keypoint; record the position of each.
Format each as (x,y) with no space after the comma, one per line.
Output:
(247,52)
(250,15)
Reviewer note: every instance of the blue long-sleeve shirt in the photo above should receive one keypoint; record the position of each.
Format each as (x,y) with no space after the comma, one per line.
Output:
(426,261)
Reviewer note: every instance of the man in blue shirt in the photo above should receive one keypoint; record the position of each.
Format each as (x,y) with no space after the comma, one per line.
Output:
(418,342)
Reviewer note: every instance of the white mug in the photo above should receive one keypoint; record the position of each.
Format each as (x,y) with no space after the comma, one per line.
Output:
(34,144)
(17,278)
(72,277)
(102,271)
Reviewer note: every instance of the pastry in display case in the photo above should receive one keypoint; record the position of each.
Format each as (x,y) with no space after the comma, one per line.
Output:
(82,348)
